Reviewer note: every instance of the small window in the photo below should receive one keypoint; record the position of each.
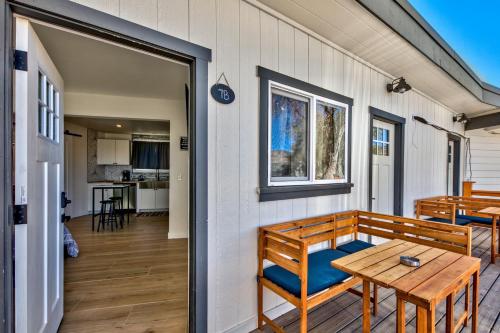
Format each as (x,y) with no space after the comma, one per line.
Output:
(306,129)
(380,141)
(48,109)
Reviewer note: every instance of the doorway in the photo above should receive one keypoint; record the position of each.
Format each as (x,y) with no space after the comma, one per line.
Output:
(453,165)
(386,162)
(71,15)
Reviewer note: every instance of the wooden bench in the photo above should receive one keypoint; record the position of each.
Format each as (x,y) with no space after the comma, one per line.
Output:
(306,279)
(456,210)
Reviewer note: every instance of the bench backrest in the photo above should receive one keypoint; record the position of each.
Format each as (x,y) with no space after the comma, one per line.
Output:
(287,244)
(468,191)
(436,208)
(467,205)
(434,234)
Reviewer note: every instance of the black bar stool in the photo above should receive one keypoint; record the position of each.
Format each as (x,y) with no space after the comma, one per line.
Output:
(107,208)
(117,208)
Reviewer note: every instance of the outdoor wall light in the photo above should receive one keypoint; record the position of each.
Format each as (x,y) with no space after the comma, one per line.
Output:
(460,118)
(398,86)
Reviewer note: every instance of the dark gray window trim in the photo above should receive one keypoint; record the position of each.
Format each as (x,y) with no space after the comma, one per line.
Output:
(403,19)
(399,153)
(271,193)
(83,19)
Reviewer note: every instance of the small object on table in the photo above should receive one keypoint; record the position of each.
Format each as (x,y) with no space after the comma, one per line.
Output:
(409,261)
(494,212)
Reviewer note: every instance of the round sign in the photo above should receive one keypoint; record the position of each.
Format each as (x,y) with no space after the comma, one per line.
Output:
(222,93)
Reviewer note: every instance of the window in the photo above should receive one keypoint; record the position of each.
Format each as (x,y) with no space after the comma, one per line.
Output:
(48,109)
(306,133)
(380,141)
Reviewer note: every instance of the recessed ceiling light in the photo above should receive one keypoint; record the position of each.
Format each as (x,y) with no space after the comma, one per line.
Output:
(118,125)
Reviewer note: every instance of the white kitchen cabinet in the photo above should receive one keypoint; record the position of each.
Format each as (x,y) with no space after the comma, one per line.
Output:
(106,151)
(161,199)
(113,152)
(122,152)
(146,199)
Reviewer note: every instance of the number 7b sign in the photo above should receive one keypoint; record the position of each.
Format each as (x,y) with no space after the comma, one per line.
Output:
(222,93)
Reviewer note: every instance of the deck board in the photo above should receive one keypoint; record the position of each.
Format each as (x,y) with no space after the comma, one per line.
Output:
(343,313)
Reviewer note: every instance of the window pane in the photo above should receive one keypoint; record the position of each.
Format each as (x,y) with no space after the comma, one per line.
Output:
(386,149)
(380,149)
(330,141)
(374,133)
(288,136)
(50,118)
(386,135)
(41,113)
(40,86)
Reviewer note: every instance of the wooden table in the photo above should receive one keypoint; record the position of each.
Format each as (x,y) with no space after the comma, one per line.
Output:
(495,214)
(441,274)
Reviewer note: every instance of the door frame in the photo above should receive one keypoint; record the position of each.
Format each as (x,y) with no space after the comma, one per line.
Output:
(93,22)
(399,153)
(457,141)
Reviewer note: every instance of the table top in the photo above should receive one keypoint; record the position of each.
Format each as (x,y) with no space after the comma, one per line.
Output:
(105,187)
(439,270)
(490,211)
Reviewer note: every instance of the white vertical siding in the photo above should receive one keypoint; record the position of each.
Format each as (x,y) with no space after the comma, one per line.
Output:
(242,36)
(485,159)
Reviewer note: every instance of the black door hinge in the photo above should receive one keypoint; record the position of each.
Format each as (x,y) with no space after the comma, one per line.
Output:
(21,60)
(20,214)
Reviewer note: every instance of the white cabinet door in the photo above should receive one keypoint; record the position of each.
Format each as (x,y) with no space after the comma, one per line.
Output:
(146,199)
(161,199)
(122,152)
(106,151)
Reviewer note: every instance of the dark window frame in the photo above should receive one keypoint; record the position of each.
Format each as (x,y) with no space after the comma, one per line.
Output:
(271,193)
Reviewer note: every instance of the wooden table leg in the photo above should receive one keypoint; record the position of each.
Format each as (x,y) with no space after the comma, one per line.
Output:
(366,306)
(450,313)
(467,302)
(494,239)
(431,319)
(475,304)
(401,320)
(421,319)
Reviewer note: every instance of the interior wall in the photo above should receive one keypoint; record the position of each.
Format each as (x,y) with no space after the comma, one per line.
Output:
(485,159)
(75,156)
(109,106)
(242,35)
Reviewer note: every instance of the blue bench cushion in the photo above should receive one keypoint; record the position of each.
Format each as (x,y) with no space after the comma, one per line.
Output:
(458,221)
(354,246)
(321,275)
(476,219)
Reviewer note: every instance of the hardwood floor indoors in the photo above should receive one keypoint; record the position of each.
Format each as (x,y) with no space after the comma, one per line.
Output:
(131,280)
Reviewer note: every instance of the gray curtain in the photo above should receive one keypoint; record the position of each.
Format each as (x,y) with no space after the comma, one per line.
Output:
(150,155)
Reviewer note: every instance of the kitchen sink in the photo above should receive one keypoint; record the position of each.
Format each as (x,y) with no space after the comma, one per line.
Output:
(153,184)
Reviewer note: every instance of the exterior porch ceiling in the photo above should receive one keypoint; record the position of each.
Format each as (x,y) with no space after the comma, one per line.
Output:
(350,25)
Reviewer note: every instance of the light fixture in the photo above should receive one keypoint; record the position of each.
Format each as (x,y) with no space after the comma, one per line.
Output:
(398,86)
(118,125)
(460,118)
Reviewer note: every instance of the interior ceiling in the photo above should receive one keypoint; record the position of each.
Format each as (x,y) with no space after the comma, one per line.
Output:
(352,27)
(129,126)
(92,66)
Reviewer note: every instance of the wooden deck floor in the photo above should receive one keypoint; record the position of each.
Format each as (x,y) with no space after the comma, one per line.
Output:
(343,313)
(132,280)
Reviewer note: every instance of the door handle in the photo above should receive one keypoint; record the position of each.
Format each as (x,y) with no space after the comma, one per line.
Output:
(374,198)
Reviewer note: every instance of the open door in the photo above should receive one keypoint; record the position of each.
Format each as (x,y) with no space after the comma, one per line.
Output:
(39,156)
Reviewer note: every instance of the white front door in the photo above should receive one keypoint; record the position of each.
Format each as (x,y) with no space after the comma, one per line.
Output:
(382,167)
(39,156)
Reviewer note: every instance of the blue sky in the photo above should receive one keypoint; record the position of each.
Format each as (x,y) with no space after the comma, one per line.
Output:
(471,28)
